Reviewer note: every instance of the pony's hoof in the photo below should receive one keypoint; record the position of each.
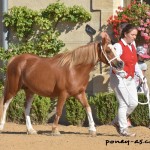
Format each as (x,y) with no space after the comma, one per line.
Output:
(55,132)
(31,132)
(92,133)
(1,128)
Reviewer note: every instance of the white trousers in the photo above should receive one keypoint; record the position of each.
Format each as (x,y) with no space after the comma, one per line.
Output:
(126,94)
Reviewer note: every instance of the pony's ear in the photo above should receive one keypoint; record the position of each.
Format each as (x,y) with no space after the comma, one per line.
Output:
(105,38)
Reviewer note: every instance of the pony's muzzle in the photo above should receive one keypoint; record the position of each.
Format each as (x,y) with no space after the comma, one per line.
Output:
(120,65)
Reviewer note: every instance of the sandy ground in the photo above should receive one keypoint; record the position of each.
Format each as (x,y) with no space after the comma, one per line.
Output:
(14,137)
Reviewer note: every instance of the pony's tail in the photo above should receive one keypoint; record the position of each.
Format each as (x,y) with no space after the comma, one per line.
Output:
(1,107)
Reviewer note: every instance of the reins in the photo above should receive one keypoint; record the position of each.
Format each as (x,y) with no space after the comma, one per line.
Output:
(133,97)
(147,96)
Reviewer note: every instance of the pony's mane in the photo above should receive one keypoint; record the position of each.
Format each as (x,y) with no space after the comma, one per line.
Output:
(86,54)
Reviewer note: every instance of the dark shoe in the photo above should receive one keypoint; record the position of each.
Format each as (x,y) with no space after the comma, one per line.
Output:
(126,132)
(116,125)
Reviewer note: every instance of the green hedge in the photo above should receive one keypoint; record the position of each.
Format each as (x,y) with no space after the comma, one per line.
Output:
(140,115)
(75,113)
(106,109)
(105,104)
(41,107)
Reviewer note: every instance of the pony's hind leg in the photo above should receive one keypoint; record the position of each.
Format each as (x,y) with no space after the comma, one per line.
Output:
(82,98)
(12,86)
(28,103)
(9,92)
(4,106)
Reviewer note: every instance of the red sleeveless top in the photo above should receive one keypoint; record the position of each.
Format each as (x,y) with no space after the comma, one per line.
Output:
(130,58)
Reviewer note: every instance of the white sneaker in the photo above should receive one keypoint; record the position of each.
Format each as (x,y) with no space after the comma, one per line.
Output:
(126,132)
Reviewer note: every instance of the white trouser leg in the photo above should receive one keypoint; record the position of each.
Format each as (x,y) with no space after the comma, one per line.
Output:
(133,97)
(3,119)
(125,90)
(122,110)
(90,119)
(128,100)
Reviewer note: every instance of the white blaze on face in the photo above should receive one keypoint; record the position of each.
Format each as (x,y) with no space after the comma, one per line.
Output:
(114,52)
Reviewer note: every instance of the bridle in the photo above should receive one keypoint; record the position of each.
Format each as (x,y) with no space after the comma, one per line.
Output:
(109,61)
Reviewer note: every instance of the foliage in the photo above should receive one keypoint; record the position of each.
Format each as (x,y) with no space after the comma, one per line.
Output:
(15,112)
(137,14)
(35,31)
(140,115)
(78,14)
(31,33)
(75,113)
(59,12)
(40,109)
(106,107)
(21,21)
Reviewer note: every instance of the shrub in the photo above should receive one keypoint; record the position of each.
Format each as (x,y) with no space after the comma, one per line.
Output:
(15,111)
(40,109)
(140,116)
(106,107)
(75,113)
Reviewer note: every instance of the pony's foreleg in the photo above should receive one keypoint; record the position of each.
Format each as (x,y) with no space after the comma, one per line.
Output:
(92,129)
(3,115)
(28,104)
(59,108)
(82,98)
(55,130)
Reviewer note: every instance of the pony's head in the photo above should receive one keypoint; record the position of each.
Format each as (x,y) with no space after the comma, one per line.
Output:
(108,54)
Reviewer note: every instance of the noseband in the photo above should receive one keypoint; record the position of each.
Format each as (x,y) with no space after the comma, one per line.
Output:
(109,61)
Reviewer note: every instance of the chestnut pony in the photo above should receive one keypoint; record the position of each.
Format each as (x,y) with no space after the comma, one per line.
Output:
(61,76)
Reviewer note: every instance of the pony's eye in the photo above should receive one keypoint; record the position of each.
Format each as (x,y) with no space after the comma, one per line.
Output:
(108,52)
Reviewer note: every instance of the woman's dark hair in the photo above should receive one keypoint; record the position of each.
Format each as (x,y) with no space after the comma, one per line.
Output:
(128,28)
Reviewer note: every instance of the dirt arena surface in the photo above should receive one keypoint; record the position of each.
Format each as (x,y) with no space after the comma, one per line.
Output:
(14,137)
